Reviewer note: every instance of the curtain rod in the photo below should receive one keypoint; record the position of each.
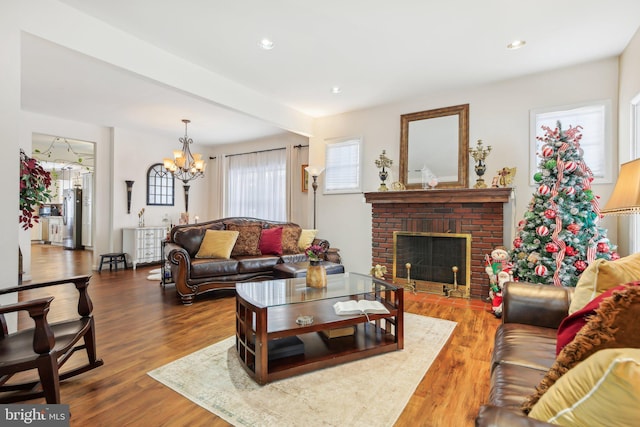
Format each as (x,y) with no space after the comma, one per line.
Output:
(255,152)
(300,146)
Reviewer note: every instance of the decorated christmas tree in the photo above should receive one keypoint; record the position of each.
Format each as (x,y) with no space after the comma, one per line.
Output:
(559,235)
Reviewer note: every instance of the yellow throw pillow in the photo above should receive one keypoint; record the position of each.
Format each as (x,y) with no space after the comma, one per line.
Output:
(217,244)
(306,239)
(603,390)
(602,275)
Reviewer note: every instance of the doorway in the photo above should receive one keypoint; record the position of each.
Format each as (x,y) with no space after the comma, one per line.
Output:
(66,222)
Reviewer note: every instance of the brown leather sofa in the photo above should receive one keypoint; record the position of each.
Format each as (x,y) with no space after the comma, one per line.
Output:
(195,276)
(524,350)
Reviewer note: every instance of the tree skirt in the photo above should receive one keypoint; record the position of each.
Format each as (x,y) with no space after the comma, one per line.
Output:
(368,392)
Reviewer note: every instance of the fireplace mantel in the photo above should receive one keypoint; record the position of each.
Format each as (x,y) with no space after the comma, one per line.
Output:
(454,195)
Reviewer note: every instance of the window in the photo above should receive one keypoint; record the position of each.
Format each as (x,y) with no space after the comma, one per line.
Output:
(343,172)
(595,120)
(160,186)
(257,185)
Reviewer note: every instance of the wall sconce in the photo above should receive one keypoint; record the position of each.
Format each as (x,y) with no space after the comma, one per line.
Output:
(315,172)
(129,187)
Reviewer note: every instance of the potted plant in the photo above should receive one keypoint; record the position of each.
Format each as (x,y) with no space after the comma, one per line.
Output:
(34,191)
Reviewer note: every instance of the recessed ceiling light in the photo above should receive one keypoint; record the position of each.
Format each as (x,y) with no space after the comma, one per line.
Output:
(336,89)
(516,44)
(266,44)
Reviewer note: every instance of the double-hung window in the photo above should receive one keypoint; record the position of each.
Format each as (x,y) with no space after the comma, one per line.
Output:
(595,120)
(343,172)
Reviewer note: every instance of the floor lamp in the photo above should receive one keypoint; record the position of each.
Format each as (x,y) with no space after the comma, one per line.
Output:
(314,172)
(625,199)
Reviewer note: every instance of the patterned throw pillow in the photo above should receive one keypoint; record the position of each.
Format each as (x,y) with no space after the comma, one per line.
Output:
(248,239)
(615,325)
(290,236)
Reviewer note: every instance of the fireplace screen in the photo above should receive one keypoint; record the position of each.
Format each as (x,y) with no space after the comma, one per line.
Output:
(433,262)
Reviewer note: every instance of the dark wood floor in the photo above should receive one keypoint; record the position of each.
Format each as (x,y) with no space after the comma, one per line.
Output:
(141,326)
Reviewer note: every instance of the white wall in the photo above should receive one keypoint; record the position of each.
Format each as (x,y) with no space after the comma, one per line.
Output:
(9,135)
(499,115)
(134,153)
(629,89)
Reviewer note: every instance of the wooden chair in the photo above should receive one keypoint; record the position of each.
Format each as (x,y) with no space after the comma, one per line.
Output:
(45,347)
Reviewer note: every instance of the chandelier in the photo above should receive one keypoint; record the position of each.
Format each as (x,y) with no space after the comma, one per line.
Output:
(184,165)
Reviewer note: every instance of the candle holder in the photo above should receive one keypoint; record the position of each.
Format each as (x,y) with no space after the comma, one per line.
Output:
(383,162)
(480,154)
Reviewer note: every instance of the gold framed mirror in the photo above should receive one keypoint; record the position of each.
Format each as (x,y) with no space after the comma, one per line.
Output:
(435,140)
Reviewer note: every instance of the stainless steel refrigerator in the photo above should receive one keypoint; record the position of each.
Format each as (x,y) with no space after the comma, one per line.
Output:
(72,219)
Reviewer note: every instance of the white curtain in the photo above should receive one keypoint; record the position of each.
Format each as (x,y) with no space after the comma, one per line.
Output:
(256,185)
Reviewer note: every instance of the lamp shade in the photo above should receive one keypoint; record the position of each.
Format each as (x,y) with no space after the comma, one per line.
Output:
(625,199)
(314,170)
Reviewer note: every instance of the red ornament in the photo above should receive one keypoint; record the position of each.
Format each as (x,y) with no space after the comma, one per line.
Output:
(602,247)
(550,214)
(580,265)
(517,242)
(541,270)
(544,189)
(551,247)
(570,191)
(570,251)
(574,228)
(547,151)
(570,166)
(543,230)
(615,256)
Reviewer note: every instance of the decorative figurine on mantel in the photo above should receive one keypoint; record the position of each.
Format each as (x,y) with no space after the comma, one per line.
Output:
(504,178)
(480,154)
(383,162)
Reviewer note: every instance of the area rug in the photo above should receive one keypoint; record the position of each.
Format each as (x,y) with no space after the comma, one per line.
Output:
(368,392)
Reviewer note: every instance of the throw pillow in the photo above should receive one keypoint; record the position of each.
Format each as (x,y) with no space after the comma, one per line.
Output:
(604,390)
(290,237)
(271,241)
(248,239)
(615,325)
(306,239)
(571,324)
(217,244)
(601,275)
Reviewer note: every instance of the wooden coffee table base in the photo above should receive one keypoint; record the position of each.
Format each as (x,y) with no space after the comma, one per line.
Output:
(256,326)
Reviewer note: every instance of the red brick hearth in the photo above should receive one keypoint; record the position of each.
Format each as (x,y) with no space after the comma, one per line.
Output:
(479,212)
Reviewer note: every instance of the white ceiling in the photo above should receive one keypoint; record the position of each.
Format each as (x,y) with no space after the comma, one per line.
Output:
(377,51)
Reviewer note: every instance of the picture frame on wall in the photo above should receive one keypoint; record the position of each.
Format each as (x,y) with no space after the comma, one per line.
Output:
(304,176)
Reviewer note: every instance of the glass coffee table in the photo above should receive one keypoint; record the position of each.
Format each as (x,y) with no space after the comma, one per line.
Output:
(284,328)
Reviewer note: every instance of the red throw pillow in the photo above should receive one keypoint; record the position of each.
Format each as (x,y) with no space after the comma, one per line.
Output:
(572,324)
(271,241)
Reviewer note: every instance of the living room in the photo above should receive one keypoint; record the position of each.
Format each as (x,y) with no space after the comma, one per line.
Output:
(499,115)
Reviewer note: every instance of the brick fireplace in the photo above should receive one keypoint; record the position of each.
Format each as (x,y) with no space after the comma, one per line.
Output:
(478,212)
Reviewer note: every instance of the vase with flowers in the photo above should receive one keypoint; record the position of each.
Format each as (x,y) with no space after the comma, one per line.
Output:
(316,273)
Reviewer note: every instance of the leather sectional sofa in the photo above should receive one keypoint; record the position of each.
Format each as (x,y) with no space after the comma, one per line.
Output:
(195,276)
(569,356)
(524,350)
